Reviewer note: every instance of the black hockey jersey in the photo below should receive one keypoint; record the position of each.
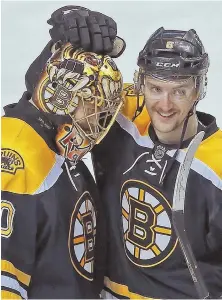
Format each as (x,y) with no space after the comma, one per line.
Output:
(144,256)
(52,228)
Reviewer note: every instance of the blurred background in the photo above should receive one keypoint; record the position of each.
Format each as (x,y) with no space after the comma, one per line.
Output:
(24,34)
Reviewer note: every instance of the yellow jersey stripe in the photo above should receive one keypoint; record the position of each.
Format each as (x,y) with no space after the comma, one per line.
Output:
(122,290)
(210,152)
(8,267)
(9,295)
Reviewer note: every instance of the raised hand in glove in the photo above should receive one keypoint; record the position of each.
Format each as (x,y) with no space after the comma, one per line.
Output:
(90,30)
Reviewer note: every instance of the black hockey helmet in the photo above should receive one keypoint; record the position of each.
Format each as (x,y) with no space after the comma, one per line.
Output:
(174,53)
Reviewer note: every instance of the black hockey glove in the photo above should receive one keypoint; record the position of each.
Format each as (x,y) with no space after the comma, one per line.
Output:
(86,29)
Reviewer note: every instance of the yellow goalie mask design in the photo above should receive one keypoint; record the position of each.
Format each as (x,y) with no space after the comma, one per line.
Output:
(84,90)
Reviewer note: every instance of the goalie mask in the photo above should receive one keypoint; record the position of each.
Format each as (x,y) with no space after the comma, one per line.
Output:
(82,91)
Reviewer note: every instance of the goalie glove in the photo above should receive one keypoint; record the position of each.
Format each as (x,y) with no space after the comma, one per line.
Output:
(83,28)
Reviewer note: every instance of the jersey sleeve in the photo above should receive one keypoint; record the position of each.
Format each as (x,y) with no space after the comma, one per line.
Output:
(20,206)
(18,238)
(29,168)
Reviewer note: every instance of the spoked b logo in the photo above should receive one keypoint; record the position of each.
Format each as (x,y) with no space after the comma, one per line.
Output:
(82,236)
(147,228)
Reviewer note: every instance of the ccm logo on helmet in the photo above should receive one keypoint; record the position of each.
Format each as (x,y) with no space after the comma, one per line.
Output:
(167,64)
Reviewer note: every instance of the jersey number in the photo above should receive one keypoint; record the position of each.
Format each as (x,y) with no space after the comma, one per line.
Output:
(7,216)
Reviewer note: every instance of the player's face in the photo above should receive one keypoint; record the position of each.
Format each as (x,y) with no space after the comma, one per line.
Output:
(168,103)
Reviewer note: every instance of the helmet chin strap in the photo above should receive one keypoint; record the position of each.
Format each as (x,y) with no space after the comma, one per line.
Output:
(139,107)
(173,158)
(138,84)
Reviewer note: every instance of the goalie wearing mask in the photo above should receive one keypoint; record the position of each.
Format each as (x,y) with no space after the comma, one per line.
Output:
(53,232)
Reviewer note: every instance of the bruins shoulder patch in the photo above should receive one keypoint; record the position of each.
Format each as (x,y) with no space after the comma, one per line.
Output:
(11,161)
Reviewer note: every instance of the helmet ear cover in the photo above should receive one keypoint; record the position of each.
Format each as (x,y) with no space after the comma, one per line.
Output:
(201,86)
(139,82)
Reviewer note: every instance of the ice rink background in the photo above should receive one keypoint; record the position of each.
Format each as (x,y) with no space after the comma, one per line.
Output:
(24,33)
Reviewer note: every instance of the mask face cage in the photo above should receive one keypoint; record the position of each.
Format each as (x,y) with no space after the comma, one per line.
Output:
(98,118)
(74,141)
(85,88)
